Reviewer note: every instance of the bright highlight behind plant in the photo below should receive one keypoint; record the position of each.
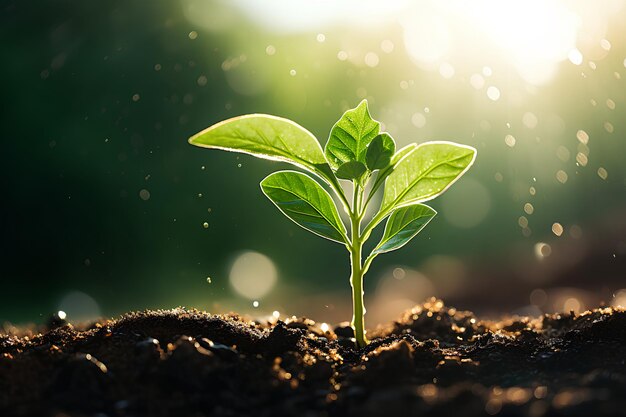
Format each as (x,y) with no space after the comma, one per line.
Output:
(358,152)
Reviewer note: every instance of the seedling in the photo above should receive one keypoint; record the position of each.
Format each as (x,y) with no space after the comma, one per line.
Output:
(357,152)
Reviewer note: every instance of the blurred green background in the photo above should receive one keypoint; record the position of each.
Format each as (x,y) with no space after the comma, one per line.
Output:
(104,201)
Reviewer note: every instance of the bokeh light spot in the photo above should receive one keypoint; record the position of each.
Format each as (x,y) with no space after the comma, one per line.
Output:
(253,275)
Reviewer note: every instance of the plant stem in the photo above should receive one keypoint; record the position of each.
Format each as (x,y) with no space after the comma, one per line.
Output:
(357,271)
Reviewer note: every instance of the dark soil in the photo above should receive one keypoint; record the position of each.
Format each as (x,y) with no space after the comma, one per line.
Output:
(434,360)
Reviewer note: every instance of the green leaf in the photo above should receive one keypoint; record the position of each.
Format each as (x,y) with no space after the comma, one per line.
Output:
(267,137)
(403,225)
(353,170)
(380,151)
(402,153)
(305,202)
(384,173)
(350,136)
(425,173)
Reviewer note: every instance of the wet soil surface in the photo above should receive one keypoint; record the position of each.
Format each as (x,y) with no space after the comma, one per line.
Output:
(434,360)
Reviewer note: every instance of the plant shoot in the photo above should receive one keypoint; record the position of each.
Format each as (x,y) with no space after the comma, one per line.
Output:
(358,152)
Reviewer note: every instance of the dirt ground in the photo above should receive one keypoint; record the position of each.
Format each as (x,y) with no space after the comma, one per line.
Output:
(434,360)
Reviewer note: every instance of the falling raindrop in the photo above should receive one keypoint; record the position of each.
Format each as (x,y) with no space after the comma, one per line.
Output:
(144,194)
(542,250)
(208,280)
(205,225)
(371,59)
(557,229)
(493,93)
(387,46)
(529,208)
(509,140)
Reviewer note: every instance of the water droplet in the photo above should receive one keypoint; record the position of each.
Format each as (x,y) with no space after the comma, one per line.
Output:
(538,297)
(493,93)
(561,176)
(418,120)
(576,231)
(522,222)
(208,280)
(255,304)
(532,191)
(602,173)
(205,225)
(530,120)
(238,165)
(562,153)
(528,208)
(270,50)
(509,140)
(387,46)
(542,250)
(321,37)
(342,55)
(446,70)
(605,44)
(292,72)
(136,97)
(399,273)
(371,59)
(61,314)
(582,159)
(203,167)
(610,104)
(276,314)
(557,229)
(193,35)
(487,71)
(575,57)
(199,195)
(144,194)
(477,81)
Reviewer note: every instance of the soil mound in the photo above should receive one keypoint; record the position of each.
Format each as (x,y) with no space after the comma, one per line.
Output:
(434,360)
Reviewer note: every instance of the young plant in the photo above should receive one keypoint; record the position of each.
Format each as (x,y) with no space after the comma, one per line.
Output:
(358,152)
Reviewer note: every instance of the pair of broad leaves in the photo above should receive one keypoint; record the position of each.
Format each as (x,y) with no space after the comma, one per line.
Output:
(355,150)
